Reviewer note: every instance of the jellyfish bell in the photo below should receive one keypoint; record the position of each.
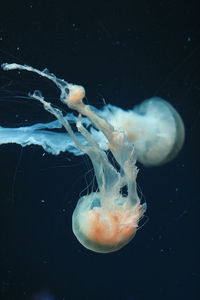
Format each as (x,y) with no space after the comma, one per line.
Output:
(155,128)
(105,229)
(164,132)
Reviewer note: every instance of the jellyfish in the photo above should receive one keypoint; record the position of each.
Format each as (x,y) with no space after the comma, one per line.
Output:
(153,133)
(154,126)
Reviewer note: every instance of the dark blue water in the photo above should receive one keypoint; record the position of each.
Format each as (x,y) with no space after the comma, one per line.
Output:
(122,53)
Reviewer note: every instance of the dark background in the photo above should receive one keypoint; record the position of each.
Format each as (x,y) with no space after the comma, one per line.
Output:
(122,53)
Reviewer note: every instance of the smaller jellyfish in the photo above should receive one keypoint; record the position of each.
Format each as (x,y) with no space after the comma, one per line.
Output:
(154,126)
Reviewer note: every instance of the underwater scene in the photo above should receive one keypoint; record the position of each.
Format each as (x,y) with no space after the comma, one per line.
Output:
(99,150)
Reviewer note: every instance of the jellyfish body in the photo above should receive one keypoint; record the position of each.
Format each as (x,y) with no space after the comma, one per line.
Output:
(157,138)
(154,126)
(107,220)
(153,133)
(104,228)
